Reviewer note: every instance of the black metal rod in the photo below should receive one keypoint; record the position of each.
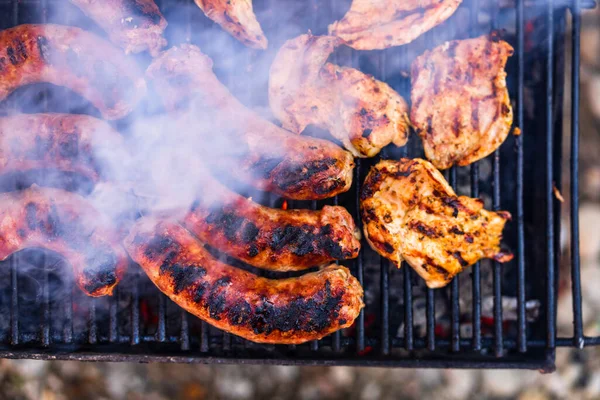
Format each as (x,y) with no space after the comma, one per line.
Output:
(68,312)
(521,316)
(408,307)
(162,309)
(92,325)
(135,309)
(360,326)
(314,345)
(454,289)
(204,345)
(184,333)
(384,266)
(337,346)
(14,301)
(430,313)
(113,323)
(575,262)
(45,325)
(476,272)
(550,273)
(497,280)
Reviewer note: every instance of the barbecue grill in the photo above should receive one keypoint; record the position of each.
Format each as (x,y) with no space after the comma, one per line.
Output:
(403,324)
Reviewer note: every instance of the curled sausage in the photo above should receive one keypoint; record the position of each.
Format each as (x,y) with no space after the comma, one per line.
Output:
(67,224)
(70,57)
(238,141)
(287,311)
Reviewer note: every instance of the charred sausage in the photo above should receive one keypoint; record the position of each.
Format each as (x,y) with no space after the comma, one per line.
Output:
(134,25)
(77,144)
(238,141)
(271,238)
(70,57)
(67,224)
(287,311)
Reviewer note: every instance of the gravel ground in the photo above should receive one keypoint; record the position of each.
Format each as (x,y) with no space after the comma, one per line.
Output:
(577,375)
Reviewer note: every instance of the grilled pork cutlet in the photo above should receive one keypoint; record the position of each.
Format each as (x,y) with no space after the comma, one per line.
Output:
(460,105)
(411,214)
(304,89)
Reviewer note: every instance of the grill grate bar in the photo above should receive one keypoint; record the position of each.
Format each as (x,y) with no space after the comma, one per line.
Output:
(14,302)
(550,281)
(337,347)
(360,330)
(92,325)
(575,262)
(430,319)
(521,317)
(184,334)
(113,327)
(314,345)
(497,279)
(135,309)
(454,289)
(162,308)
(204,345)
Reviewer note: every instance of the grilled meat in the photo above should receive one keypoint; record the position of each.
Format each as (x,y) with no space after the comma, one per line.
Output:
(380,24)
(411,213)
(249,148)
(460,104)
(363,113)
(70,57)
(270,238)
(67,224)
(134,25)
(286,311)
(237,18)
(73,144)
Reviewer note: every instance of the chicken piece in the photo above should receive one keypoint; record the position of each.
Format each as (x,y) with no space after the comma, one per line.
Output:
(363,113)
(237,18)
(134,25)
(460,104)
(379,24)
(410,213)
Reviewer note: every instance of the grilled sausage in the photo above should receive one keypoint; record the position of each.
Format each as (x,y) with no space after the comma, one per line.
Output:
(291,311)
(261,154)
(270,238)
(70,57)
(134,25)
(67,224)
(77,144)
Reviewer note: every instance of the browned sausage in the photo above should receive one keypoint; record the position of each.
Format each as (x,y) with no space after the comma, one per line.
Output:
(68,143)
(134,25)
(70,57)
(270,238)
(240,142)
(293,310)
(67,224)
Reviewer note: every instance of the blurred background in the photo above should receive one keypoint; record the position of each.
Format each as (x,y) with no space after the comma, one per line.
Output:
(577,375)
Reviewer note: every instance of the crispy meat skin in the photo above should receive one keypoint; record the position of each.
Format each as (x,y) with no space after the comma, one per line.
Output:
(237,18)
(67,224)
(411,213)
(362,112)
(271,238)
(460,104)
(64,142)
(134,25)
(286,311)
(74,58)
(248,147)
(379,24)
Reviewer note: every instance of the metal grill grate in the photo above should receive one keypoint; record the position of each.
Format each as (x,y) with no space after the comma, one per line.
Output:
(139,323)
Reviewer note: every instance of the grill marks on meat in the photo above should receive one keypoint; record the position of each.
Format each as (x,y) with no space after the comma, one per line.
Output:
(249,148)
(410,213)
(286,311)
(67,224)
(67,143)
(134,25)
(236,17)
(270,238)
(460,101)
(74,58)
(363,113)
(370,25)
